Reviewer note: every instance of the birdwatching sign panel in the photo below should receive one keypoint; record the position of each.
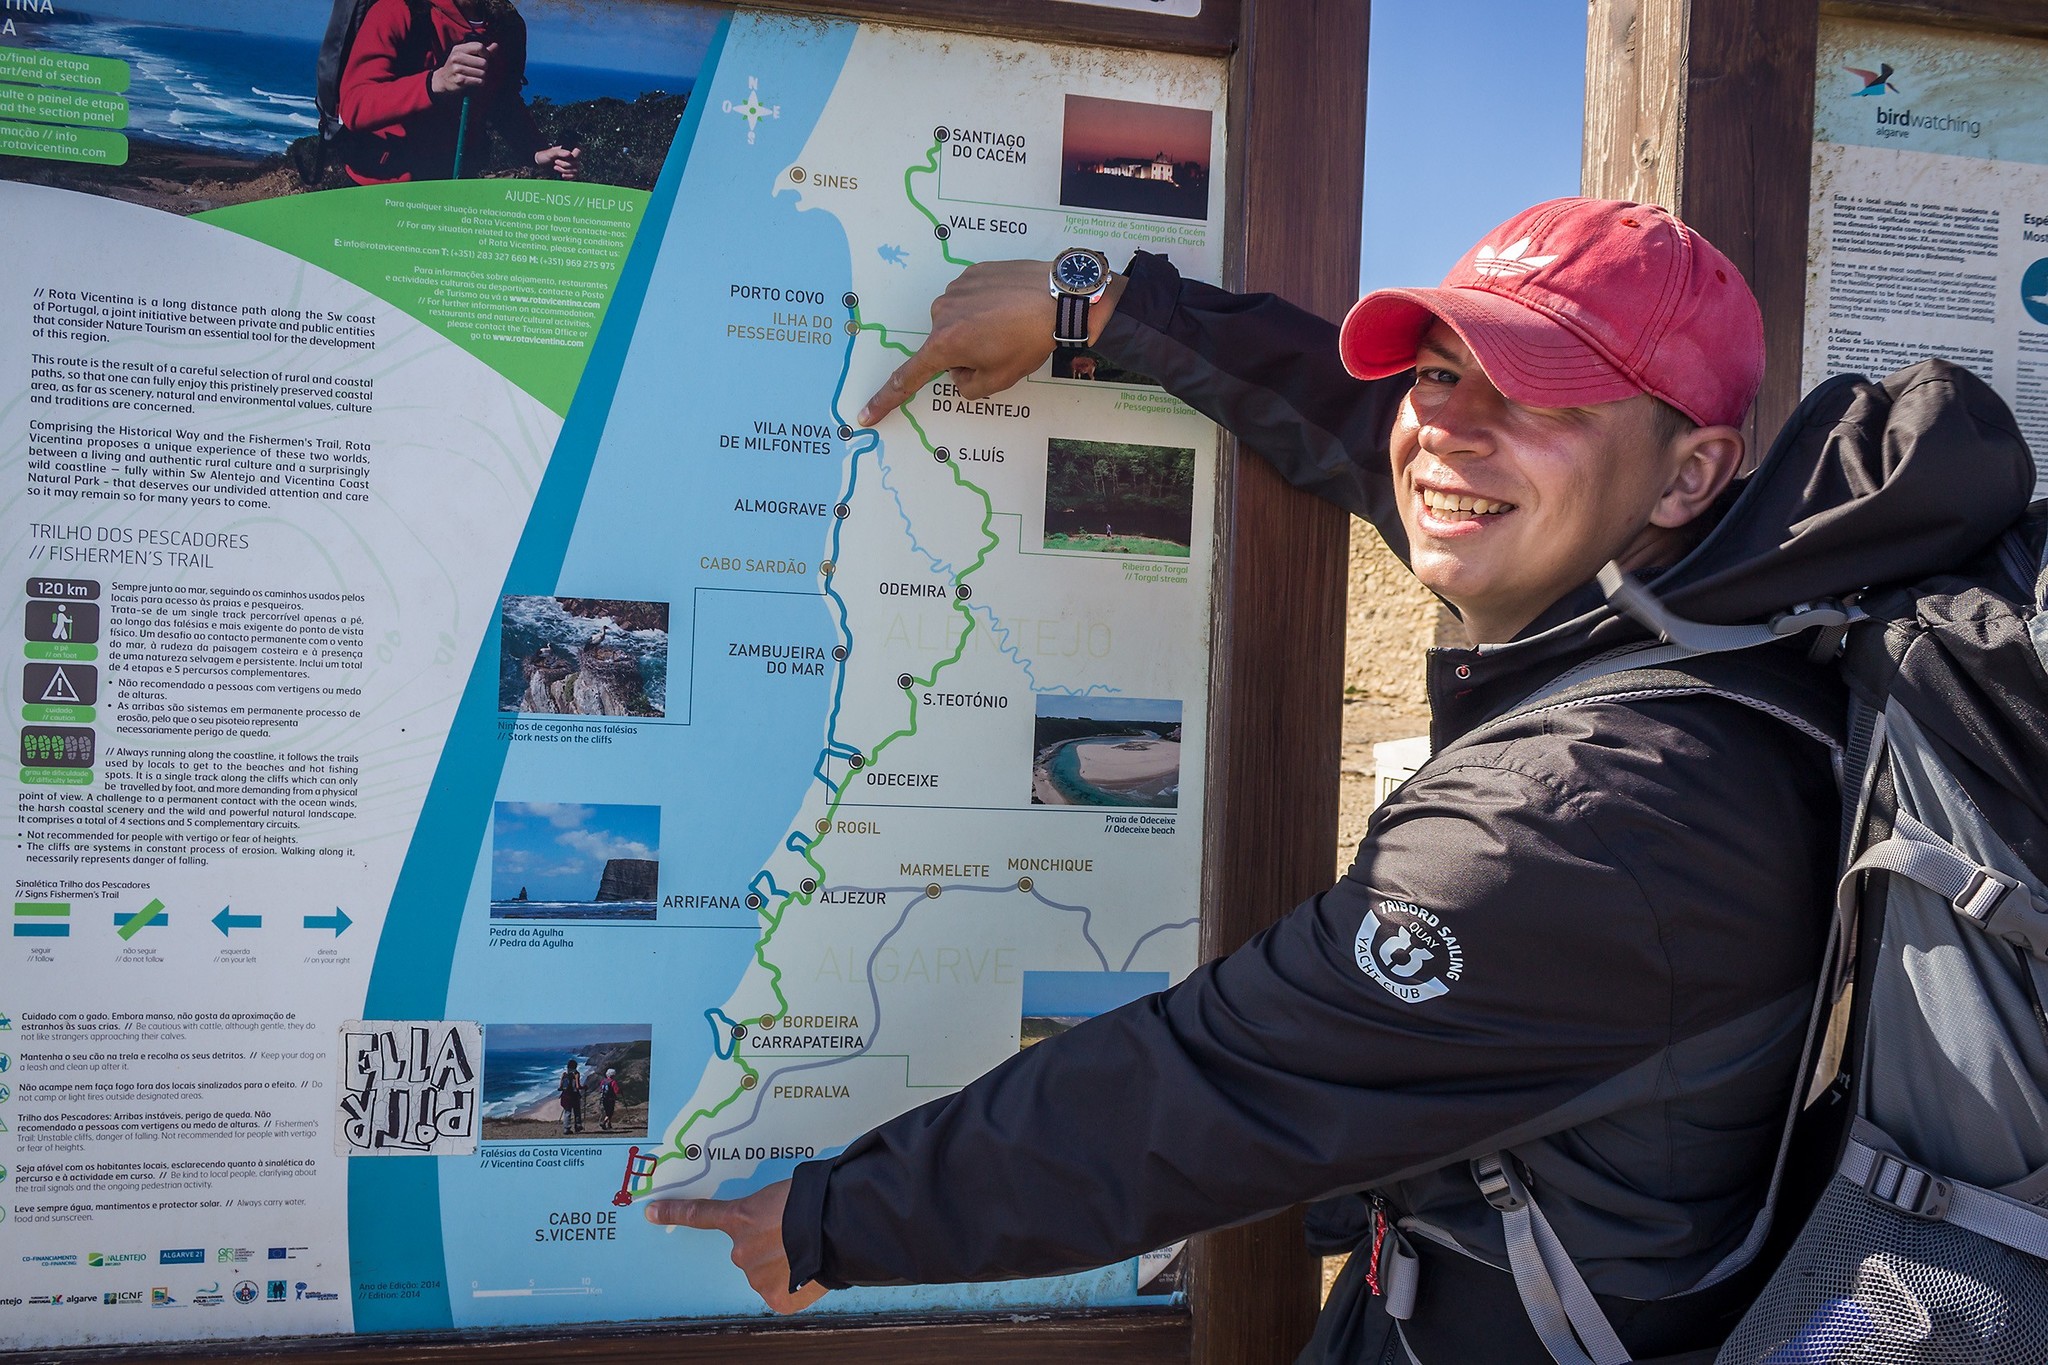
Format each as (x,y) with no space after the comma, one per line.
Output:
(496,741)
(1930,208)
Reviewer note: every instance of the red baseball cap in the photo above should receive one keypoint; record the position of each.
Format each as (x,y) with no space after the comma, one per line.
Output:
(1582,301)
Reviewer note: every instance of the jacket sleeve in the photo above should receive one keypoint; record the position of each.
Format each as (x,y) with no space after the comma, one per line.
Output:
(374,92)
(1268,372)
(1488,969)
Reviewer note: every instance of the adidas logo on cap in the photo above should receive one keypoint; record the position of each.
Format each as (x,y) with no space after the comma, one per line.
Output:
(1513,260)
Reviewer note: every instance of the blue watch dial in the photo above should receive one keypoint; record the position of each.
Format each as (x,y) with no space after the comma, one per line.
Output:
(1079,272)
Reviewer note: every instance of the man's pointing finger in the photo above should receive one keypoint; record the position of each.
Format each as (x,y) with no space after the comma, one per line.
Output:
(908,378)
(687,1213)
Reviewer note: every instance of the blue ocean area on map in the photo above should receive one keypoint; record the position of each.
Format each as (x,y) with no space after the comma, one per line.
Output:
(731,760)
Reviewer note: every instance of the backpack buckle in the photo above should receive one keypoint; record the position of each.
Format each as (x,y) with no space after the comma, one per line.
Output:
(1497,1180)
(1907,1187)
(2003,907)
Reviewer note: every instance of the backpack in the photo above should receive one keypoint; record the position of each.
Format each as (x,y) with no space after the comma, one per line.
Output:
(344,21)
(1907,1214)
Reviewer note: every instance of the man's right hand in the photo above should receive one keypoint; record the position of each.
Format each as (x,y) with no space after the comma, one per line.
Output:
(464,70)
(991,327)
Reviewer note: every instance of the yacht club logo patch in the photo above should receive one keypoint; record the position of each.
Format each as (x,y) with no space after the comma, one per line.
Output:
(1408,950)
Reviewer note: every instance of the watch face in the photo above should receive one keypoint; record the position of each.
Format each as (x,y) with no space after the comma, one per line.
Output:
(1079,272)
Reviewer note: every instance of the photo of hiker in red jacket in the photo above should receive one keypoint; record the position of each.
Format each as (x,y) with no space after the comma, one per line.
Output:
(426,79)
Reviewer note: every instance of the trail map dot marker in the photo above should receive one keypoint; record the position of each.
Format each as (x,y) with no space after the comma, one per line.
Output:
(905,681)
(850,299)
(824,827)
(963,592)
(796,175)
(828,566)
(845,432)
(940,134)
(767,1021)
(931,891)
(749,1081)
(856,762)
(739,1031)
(692,1152)
(852,328)
(942,232)
(1023,883)
(839,653)
(809,885)
(842,511)
(753,901)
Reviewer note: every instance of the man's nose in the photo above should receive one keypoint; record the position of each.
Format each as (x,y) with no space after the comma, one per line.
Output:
(1461,426)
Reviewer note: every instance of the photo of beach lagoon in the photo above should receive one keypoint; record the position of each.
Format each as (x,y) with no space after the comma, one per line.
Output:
(1106,751)
(223,104)
(1054,1002)
(1115,498)
(578,862)
(524,1067)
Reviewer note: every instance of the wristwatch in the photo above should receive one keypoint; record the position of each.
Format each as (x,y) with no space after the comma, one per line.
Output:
(1079,277)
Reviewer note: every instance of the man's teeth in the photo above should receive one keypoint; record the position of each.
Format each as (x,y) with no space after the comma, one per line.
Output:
(1461,502)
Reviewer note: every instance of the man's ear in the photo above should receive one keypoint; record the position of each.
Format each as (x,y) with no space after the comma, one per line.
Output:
(1703,460)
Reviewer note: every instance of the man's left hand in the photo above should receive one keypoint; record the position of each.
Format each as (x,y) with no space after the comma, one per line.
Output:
(754,1223)
(563,161)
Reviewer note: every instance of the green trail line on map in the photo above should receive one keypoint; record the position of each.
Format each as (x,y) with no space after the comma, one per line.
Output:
(939,229)
(773,918)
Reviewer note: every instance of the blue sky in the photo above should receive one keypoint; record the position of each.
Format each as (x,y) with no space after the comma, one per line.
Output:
(564,1038)
(1109,708)
(1474,111)
(558,852)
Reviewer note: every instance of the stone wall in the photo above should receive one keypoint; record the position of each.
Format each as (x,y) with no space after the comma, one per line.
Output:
(1392,621)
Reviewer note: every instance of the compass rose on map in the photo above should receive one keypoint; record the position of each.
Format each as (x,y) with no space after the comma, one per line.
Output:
(751,109)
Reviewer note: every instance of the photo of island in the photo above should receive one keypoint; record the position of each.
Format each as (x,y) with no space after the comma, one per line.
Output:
(1128,157)
(1107,497)
(1054,1002)
(582,656)
(577,862)
(1106,751)
(226,106)
(550,1082)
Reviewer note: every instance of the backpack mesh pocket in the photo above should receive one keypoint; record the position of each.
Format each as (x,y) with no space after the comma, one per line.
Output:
(1867,1284)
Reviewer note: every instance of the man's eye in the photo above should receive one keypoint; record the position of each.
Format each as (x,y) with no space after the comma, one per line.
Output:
(1429,374)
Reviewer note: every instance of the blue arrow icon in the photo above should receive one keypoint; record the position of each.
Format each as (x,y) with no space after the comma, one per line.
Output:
(227,920)
(336,921)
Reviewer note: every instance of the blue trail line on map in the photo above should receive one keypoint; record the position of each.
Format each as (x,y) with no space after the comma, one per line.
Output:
(723,1046)
(875,998)
(1001,634)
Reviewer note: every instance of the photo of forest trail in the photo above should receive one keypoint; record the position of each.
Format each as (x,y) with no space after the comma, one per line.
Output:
(1105,497)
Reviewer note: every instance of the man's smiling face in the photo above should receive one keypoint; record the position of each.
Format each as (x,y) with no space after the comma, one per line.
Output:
(1509,507)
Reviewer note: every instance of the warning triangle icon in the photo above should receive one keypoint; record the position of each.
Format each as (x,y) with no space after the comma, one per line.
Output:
(59,687)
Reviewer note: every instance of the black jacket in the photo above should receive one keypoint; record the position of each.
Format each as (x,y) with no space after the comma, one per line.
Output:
(1619,911)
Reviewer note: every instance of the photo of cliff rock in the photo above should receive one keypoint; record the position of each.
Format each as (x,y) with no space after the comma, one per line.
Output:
(561,860)
(583,656)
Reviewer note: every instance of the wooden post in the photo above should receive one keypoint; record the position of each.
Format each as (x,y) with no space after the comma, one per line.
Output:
(1706,107)
(1299,83)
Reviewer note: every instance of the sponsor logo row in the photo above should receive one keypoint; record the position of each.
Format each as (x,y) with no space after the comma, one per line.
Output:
(212,1296)
(99,1260)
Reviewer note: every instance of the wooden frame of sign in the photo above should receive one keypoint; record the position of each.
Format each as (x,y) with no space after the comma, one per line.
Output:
(1296,173)
(1706,107)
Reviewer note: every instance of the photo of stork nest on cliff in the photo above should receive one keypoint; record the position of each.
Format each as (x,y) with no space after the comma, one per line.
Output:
(234,105)
(564,860)
(583,656)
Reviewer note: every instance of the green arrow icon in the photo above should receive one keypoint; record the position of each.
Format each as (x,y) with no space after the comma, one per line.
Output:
(336,921)
(227,920)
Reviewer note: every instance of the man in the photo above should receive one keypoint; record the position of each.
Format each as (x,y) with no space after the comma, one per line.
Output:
(608,1096)
(414,68)
(570,1092)
(1588,938)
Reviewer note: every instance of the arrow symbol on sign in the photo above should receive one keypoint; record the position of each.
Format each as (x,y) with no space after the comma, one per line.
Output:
(227,920)
(336,921)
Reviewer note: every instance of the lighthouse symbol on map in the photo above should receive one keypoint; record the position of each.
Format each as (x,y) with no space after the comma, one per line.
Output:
(751,109)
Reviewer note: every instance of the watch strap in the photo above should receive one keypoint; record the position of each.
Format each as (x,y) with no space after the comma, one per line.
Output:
(1070,325)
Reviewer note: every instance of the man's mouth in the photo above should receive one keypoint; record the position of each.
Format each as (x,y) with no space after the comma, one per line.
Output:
(1460,506)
